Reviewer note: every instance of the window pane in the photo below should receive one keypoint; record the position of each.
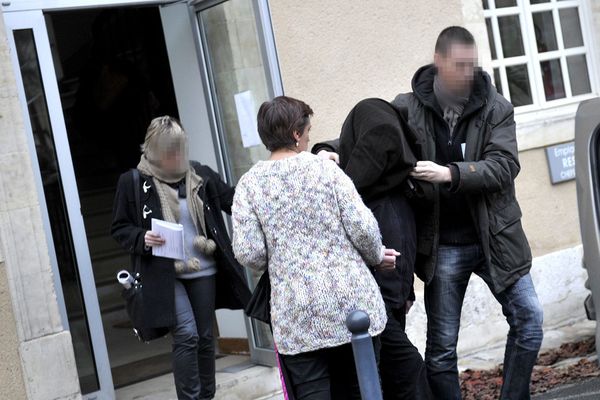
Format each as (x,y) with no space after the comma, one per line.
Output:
(539,1)
(237,65)
(488,24)
(485,4)
(571,27)
(578,75)
(505,3)
(510,34)
(497,81)
(545,34)
(518,85)
(553,81)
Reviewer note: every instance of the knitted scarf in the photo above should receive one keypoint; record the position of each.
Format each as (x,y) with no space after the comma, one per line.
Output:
(169,202)
(452,105)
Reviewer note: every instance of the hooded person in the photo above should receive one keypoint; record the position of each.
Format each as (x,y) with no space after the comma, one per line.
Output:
(378,150)
(181,295)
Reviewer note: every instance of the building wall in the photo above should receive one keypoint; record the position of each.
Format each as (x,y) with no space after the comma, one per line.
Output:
(11,375)
(333,54)
(550,216)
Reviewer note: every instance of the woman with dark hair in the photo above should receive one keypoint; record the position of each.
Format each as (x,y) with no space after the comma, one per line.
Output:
(301,218)
(181,294)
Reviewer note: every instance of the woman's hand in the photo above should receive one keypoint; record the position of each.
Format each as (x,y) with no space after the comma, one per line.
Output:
(389,260)
(151,239)
(329,155)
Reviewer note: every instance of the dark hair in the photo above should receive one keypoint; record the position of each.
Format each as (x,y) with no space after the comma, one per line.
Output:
(453,35)
(279,118)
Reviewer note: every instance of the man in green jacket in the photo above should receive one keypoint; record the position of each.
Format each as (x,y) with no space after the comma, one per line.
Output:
(473,224)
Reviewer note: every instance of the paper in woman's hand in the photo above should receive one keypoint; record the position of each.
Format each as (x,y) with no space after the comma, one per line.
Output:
(173,236)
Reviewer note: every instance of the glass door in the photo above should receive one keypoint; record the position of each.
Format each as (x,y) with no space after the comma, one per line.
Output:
(58,195)
(241,75)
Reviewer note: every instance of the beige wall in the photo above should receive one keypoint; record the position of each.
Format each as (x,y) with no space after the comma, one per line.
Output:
(334,53)
(550,215)
(11,376)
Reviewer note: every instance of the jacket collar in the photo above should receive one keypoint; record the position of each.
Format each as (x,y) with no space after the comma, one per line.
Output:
(422,86)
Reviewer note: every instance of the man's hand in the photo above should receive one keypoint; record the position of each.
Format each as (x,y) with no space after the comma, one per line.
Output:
(329,155)
(389,260)
(431,172)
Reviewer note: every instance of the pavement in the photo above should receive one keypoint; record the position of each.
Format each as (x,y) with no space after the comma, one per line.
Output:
(237,379)
(586,390)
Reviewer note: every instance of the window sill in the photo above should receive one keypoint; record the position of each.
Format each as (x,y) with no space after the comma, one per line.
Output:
(545,127)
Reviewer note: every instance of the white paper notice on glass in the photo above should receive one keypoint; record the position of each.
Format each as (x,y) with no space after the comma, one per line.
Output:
(244,104)
(173,235)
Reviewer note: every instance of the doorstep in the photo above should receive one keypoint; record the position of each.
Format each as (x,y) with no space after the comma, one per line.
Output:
(237,379)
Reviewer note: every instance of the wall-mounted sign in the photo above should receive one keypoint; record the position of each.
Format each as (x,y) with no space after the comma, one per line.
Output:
(561,161)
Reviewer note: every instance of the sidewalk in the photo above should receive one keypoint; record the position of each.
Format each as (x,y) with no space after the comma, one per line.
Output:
(237,379)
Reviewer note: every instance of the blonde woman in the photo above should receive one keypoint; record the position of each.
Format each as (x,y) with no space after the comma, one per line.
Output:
(301,217)
(181,294)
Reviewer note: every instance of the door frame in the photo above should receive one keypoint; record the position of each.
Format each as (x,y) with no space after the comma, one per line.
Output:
(27,11)
(268,50)
(35,20)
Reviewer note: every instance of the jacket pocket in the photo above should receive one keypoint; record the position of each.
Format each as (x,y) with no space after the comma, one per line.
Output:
(508,244)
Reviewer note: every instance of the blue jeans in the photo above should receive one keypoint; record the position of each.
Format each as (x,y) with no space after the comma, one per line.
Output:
(193,341)
(443,302)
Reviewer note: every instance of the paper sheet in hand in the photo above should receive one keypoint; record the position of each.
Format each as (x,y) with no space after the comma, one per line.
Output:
(173,235)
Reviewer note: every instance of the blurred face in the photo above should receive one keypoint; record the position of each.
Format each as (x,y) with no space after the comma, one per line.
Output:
(456,68)
(173,159)
(304,138)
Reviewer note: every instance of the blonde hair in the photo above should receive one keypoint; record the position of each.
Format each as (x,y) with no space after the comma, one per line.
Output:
(163,134)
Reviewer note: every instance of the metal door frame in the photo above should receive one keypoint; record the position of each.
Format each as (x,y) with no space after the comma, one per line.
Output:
(35,21)
(272,72)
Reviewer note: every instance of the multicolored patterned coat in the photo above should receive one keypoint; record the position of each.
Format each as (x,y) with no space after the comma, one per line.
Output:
(303,218)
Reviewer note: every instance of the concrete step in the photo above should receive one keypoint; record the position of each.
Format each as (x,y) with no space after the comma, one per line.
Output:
(253,383)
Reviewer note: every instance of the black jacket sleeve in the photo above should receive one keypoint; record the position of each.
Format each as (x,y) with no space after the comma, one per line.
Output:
(499,164)
(223,192)
(330,145)
(124,227)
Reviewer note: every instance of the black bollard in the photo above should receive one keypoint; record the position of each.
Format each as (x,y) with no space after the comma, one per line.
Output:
(358,323)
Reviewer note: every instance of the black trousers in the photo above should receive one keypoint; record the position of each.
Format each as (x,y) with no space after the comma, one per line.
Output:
(401,367)
(193,341)
(325,374)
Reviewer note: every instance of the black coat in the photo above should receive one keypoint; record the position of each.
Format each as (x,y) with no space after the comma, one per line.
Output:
(158,274)
(485,178)
(377,151)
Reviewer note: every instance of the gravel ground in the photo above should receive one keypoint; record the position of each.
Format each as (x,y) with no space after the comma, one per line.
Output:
(572,362)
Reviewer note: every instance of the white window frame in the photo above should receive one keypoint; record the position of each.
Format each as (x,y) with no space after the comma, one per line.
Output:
(532,58)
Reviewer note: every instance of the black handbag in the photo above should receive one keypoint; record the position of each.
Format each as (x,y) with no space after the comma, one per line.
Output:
(134,296)
(259,306)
